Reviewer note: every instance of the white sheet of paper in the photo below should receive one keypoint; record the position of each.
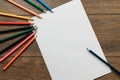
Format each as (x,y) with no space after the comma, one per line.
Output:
(63,37)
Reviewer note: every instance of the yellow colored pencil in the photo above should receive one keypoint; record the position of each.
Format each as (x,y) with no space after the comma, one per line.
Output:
(24,8)
(15,16)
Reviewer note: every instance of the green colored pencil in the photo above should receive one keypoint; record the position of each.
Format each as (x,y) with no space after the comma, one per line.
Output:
(35,5)
(16,35)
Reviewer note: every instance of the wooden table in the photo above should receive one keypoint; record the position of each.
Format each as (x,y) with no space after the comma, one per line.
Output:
(105,18)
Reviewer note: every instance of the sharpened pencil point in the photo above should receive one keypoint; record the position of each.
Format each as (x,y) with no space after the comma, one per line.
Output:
(35,27)
(44,11)
(31,19)
(88,49)
(39,17)
(51,11)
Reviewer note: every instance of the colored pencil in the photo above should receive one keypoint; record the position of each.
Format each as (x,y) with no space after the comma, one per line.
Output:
(106,63)
(16,35)
(13,44)
(15,16)
(45,5)
(17,47)
(15,23)
(24,8)
(16,29)
(19,53)
(35,5)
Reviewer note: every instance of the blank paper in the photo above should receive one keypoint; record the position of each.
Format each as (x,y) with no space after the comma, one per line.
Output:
(63,37)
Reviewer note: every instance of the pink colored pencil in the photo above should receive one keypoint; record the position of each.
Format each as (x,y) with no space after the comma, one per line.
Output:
(17,47)
(19,53)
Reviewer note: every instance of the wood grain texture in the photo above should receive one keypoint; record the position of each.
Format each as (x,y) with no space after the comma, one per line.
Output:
(105,18)
(102,6)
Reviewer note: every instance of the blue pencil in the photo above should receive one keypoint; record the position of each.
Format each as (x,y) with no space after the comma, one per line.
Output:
(45,5)
(108,64)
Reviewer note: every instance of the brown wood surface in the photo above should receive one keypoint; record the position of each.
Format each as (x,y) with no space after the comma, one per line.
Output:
(105,18)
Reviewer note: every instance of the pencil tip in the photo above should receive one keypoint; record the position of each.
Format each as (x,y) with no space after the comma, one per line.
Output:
(51,11)
(87,49)
(39,17)
(35,27)
(33,24)
(31,19)
(44,11)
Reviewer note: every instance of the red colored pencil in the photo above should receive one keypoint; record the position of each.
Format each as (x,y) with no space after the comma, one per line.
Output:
(15,23)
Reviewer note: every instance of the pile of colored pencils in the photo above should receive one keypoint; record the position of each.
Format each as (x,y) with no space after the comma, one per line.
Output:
(27,32)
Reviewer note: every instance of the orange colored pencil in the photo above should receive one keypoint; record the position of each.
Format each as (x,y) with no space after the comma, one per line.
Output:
(19,53)
(22,7)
